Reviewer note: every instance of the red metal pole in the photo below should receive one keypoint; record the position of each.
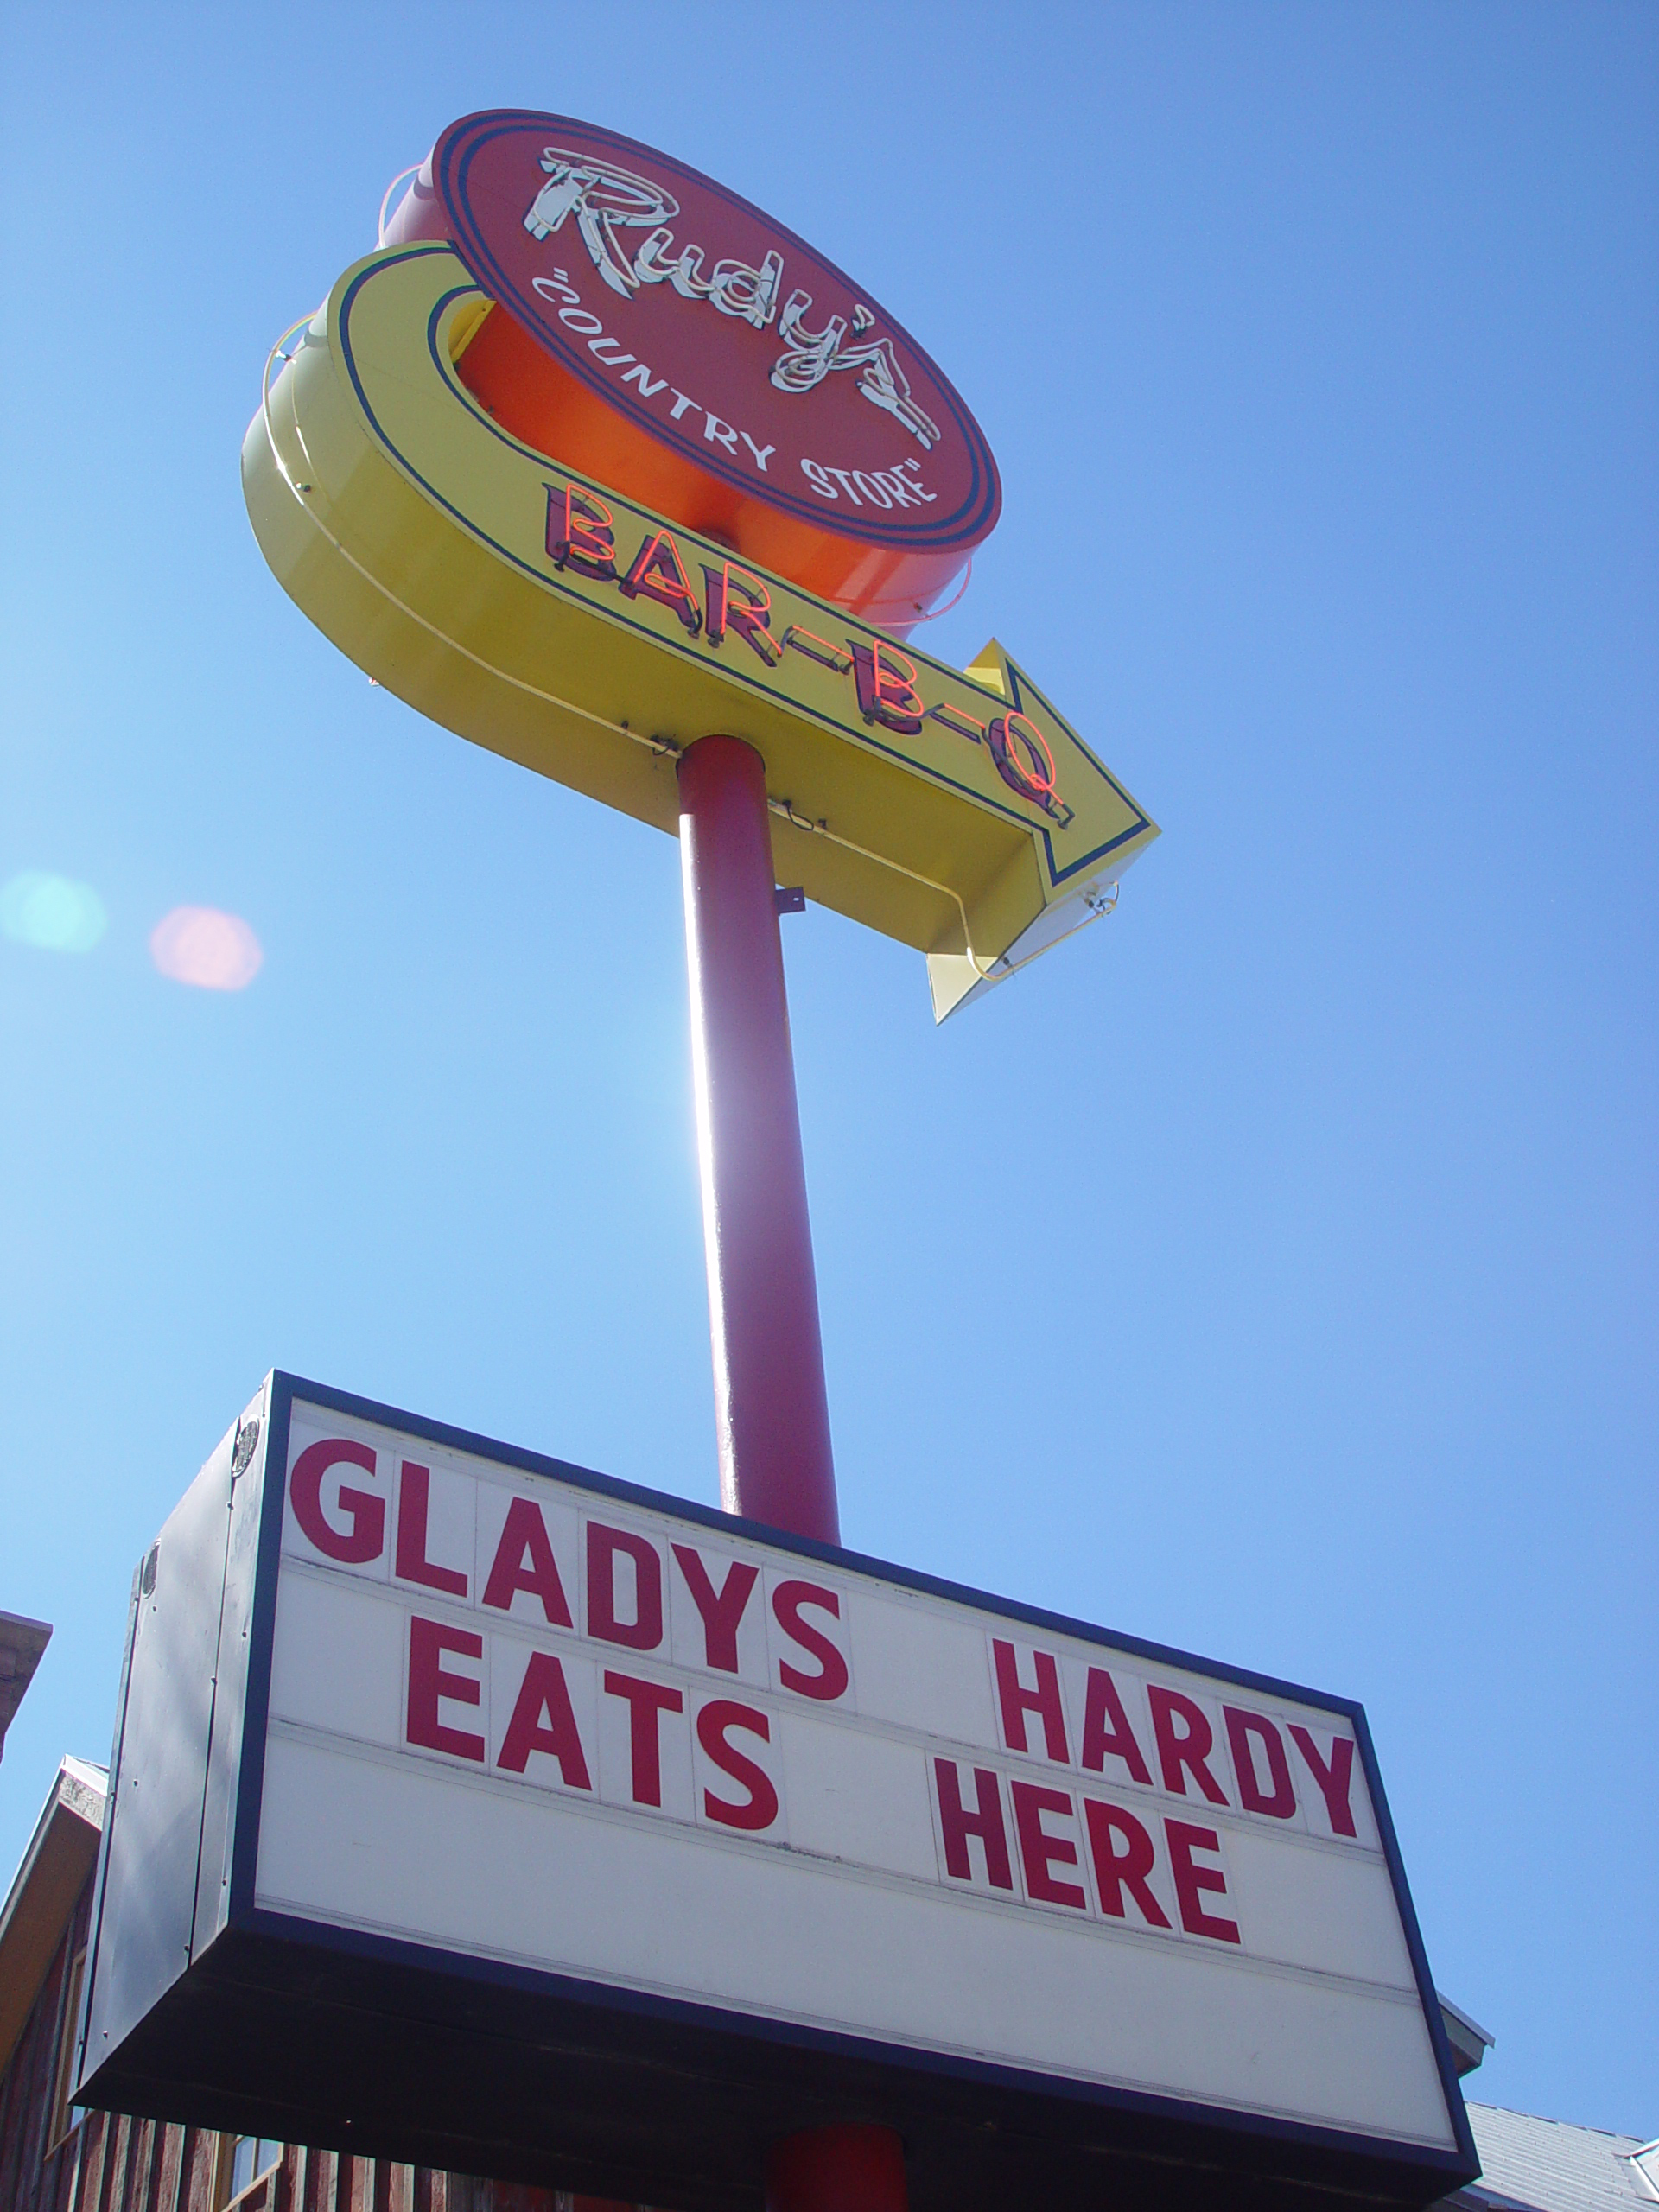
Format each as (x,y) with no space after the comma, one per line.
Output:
(771,1407)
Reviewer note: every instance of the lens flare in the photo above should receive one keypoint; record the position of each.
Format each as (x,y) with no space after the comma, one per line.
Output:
(51,913)
(200,946)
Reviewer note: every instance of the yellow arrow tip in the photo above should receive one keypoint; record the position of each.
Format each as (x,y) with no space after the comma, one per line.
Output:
(990,667)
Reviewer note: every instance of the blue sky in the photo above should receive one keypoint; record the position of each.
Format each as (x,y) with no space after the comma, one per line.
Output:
(1270,1271)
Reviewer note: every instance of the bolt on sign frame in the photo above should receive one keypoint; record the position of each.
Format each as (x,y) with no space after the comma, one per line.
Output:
(630,1836)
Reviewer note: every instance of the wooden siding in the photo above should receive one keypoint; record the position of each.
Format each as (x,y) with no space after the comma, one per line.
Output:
(108,2163)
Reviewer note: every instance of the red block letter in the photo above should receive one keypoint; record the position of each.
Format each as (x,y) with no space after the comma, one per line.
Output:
(1016,1701)
(543,1721)
(1334,1780)
(887,693)
(760,1808)
(645,1631)
(1189,1749)
(413,1566)
(735,599)
(362,1540)
(1116,1870)
(659,573)
(430,1680)
(524,1560)
(1039,1851)
(831,1679)
(1191,1880)
(956,1824)
(1281,1801)
(1106,1729)
(1023,759)
(579,534)
(647,1702)
(723,1609)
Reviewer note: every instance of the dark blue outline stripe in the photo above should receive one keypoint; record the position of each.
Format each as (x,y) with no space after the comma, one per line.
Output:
(1143,821)
(251,1781)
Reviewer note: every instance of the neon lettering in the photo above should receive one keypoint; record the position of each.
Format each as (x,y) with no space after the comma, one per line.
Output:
(964,725)
(888,693)
(657,572)
(581,534)
(818,649)
(749,614)
(1023,759)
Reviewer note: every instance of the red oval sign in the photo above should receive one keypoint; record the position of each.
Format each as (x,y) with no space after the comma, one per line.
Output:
(668,337)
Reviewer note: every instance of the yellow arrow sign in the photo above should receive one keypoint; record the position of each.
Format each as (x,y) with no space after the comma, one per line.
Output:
(529,608)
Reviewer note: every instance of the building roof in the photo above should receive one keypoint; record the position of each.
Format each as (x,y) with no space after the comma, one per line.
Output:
(41,1902)
(21,1642)
(1470,2042)
(1549,2165)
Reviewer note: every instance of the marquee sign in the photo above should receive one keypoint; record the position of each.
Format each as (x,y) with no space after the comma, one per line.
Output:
(580,487)
(673,1829)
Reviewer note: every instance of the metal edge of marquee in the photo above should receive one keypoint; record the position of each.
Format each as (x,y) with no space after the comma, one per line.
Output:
(85,2070)
(284,1388)
(919,2059)
(1438,2040)
(106,1841)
